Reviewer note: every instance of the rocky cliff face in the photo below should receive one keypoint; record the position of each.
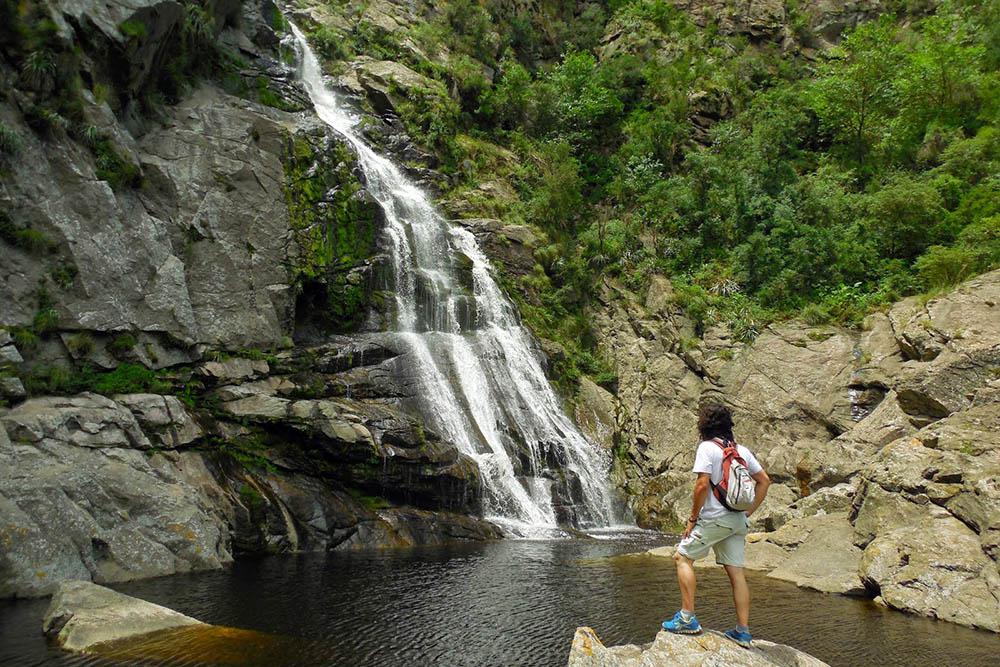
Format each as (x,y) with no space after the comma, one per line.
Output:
(174,220)
(165,222)
(883,443)
(282,455)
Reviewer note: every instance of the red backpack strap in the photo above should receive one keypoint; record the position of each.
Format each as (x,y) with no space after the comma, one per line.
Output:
(716,491)
(729,453)
(724,443)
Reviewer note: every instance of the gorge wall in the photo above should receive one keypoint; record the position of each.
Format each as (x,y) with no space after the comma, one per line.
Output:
(180,236)
(883,443)
(180,243)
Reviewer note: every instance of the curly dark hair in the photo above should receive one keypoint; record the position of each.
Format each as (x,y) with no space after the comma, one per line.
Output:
(715,421)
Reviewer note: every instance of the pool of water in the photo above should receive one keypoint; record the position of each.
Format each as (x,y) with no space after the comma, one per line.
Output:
(502,603)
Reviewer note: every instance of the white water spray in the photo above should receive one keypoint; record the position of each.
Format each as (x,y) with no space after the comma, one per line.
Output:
(480,379)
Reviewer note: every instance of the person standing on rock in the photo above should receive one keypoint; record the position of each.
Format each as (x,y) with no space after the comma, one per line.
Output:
(731,484)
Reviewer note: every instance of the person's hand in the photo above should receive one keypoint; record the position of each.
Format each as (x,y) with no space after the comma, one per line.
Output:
(688,528)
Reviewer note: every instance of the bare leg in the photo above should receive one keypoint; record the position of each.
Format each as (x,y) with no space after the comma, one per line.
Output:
(686,580)
(741,593)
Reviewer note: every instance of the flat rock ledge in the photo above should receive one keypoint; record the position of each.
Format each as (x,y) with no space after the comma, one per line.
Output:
(708,648)
(82,615)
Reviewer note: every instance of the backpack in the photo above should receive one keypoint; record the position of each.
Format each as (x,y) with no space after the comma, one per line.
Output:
(737,489)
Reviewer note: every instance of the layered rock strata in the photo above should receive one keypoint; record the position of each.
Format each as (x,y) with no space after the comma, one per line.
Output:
(883,443)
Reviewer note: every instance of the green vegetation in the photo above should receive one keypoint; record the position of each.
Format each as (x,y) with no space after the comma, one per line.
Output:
(134,29)
(32,241)
(248,450)
(113,168)
(372,503)
(45,321)
(122,344)
(251,497)
(80,344)
(125,379)
(821,189)
(64,275)
(10,141)
(335,228)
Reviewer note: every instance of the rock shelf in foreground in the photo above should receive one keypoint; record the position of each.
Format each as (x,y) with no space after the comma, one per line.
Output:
(708,648)
(83,614)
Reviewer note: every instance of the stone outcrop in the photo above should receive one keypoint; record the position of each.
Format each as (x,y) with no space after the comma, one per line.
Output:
(184,236)
(709,648)
(83,614)
(819,554)
(927,515)
(200,253)
(111,627)
(80,501)
(140,485)
(883,443)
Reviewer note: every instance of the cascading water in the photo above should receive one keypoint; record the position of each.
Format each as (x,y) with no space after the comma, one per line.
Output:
(480,380)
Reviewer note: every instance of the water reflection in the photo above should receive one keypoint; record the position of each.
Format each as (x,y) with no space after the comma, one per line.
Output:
(505,603)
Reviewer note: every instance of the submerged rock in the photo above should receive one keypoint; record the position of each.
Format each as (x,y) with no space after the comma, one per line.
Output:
(669,650)
(118,629)
(83,614)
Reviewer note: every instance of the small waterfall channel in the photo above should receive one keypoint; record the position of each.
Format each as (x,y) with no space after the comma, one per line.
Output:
(479,376)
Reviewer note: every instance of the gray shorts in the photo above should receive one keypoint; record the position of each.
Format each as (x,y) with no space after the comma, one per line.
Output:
(725,535)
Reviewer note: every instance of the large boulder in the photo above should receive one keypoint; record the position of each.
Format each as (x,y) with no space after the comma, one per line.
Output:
(658,391)
(819,554)
(104,514)
(927,515)
(790,393)
(389,84)
(91,619)
(952,347)
(199,253)
(217,176)
(670,650)
(594,412)
(83,614)
(164,418)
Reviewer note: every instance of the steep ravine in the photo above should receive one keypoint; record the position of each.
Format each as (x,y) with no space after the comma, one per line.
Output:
(885,442)
(172,254)
(174,261)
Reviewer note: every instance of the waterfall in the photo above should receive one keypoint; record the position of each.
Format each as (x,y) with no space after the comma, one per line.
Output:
(479,376)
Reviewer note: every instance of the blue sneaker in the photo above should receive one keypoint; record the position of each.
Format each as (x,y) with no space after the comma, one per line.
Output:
(744,639)
(679,626)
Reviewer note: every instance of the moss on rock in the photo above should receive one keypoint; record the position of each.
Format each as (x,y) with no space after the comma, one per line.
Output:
(334,223)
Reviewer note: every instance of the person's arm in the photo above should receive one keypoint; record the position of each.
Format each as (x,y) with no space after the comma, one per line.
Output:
(701,491)
(760,490)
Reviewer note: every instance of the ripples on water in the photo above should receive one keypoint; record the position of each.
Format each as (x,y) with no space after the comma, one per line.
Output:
(503,603)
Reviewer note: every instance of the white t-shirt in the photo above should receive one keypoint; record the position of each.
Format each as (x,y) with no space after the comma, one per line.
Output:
(709,459)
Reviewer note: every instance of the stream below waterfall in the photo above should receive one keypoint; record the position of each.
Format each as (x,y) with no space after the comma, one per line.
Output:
(514,602)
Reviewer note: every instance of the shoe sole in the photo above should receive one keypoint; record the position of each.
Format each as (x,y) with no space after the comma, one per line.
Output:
(739,643)
(683,632)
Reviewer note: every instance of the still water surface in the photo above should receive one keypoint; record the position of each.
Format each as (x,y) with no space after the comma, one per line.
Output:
(503,603)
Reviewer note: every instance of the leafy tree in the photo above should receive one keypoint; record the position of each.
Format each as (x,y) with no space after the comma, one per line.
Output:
(558,197)
(585,107)
(903,216)
(855,93)
(508,104)
(938,83)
